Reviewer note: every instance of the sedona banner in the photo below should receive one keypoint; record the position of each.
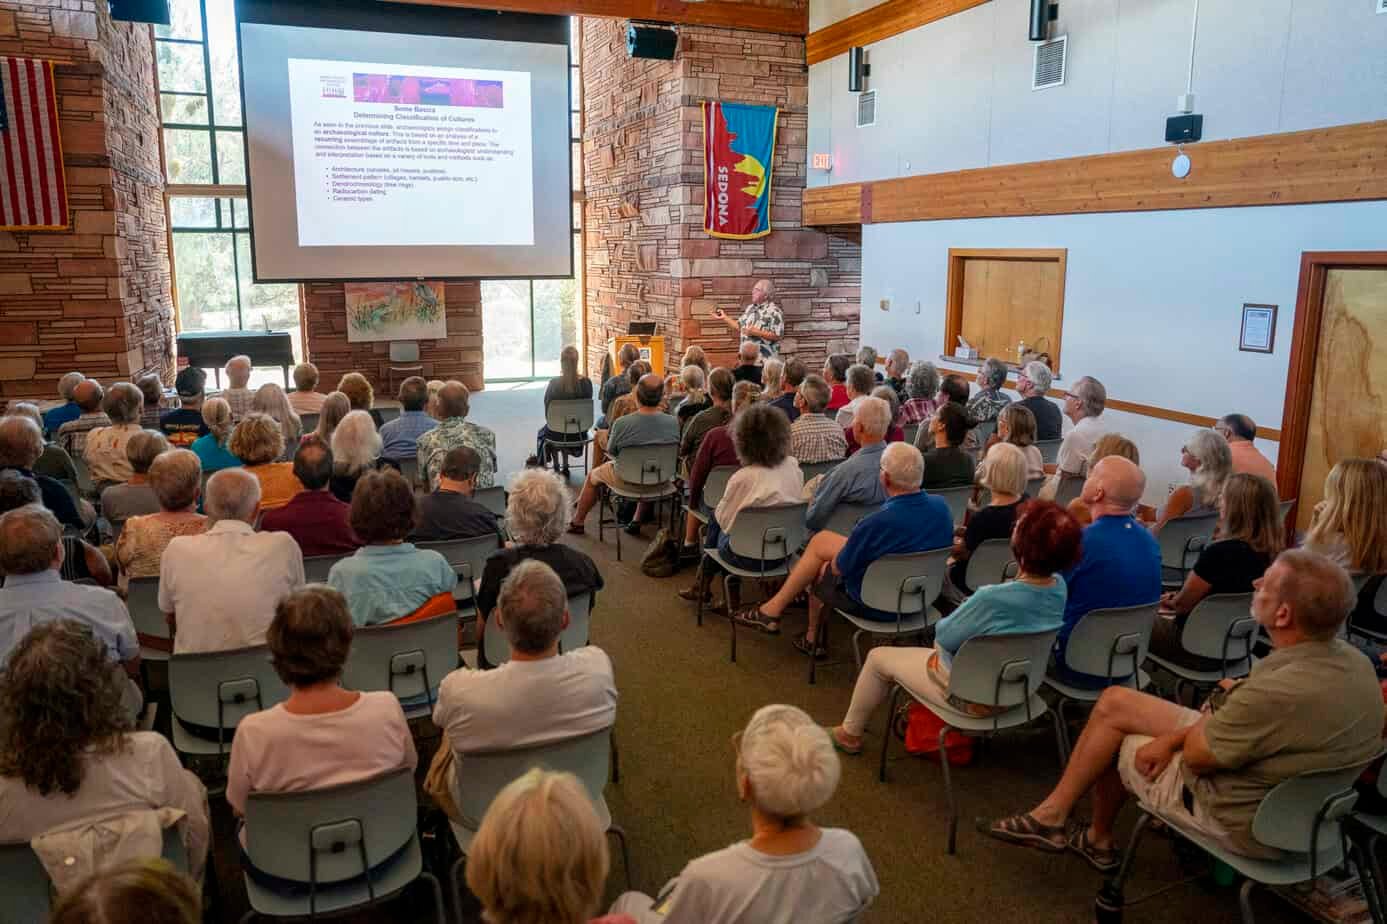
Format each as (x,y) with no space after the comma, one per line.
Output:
(738,151)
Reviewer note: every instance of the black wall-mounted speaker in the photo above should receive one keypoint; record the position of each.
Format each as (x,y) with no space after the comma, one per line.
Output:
(1179,128)
(858,68)
(1043,12)
(651,42)
(155,11)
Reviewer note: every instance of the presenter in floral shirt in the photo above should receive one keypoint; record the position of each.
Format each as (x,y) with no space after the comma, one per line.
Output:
(761,323)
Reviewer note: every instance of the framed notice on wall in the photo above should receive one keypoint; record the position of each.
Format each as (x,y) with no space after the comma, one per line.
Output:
(1258,329)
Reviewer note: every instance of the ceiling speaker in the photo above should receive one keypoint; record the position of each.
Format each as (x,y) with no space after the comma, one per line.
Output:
(651,42)
(155,11)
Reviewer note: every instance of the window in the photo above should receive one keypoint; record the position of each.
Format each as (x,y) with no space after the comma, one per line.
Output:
(205,168)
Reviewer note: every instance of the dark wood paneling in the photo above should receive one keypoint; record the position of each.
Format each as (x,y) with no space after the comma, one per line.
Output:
(728,14)
(880,22)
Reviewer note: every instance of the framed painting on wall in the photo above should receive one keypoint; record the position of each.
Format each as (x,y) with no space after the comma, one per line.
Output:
(395,311)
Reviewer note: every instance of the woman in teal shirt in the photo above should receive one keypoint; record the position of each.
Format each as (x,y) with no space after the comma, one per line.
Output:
(211,449)
(1045,541)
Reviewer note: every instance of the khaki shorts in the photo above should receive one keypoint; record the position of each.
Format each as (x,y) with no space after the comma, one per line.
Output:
(1166,793)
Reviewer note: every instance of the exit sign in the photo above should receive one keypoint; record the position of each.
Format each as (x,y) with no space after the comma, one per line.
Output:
(825,161)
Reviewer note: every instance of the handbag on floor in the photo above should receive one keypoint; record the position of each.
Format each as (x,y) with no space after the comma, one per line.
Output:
(661,558)
(922,736)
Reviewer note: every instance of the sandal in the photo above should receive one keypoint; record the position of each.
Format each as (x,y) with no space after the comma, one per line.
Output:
(753,618)
(1104,859)
(813,649)
(1024,831)
(841,746)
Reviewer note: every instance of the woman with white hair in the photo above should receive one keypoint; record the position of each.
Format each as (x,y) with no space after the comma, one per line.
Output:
(211,448)
(897,368)
(271,399)
(1210,462)
(989,400)
(791,870)
(335,406)
(1005,476)
(922,384)
(356,446)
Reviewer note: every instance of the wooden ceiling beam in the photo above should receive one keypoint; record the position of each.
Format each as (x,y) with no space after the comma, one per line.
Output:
(879,22)
(727,14)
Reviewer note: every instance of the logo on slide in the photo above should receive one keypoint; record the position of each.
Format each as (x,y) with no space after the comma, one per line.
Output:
(334,87)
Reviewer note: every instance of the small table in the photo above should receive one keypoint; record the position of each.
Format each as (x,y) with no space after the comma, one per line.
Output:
(213,348)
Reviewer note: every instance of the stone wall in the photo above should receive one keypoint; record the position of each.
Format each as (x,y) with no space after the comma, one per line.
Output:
(458,357)
(96,297)
(647,253)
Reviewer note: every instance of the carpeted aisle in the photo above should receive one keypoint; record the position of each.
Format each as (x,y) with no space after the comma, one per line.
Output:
(682,700)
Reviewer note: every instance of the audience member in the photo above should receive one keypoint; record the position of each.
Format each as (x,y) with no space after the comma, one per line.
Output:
(618,384)
(104,447)
(136,496)
(814,437)
(237,394)
(648,426)
(835,373)
(718,449)
(54,460)
(867,356)
(270,399)
(1109,444)
(175,477)
(695,385)
(832,567)
(21,444)
(69,409)
(790,870)
(435,386)
(1045,542)
(258,443)
(72,436)
(1083,405)
(858,479)
(356,450)
(1005,479)
(455,430)
(1240,430)
(68,751)
(185,424)
(1312,704)
(211,448)
(623,405)
(772,377)
(720,383)
(897,368)
(451,511)
(219,590)
(989,400)
(146,891)
(152,391)
(860,383)
(567,386)
(1121,562)
(400,437)
(946,464)
(538,696)
(81,560)
(360,395)
(540,854)
(791,379)
(923,388)
(322,735)
(1247,541)
(1016,425)
(319,522)
(305,398)
(695,356)
(1349,526)
(1206,456)
(748,368)
(1032,384)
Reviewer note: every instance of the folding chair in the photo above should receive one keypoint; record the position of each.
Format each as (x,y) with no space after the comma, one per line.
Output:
(813,469)
(497,647)
(572,419)
(1110,643)
(352,846)
(1302,817)
(672,404)
(409,468)
(309,421)
(409,660)
(957,499)
(1181,539)
(846,516)
(1069,488)
(905,585)
(713,489)
(765,534)
(492,498)
(992,670)
(1049,450)
(218,689)
(644,473)
(316,567)
(990,563)
(1034,485)
(387,412)
(468,558)
(911,431)
(142,600)
(1380,607)
(1365,830)
(1220,627)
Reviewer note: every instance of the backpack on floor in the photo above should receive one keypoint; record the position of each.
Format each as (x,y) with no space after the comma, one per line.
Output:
(921,733)
(661,559)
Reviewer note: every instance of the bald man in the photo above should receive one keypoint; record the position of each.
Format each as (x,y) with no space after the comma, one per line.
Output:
(1121,562)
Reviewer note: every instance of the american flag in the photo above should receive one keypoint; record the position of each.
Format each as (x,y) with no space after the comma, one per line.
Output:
(33,190)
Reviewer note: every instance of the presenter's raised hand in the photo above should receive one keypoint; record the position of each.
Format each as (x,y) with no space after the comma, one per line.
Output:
(719,314)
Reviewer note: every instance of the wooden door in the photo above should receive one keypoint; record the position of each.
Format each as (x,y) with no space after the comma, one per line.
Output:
(1000,297)
(1347,398)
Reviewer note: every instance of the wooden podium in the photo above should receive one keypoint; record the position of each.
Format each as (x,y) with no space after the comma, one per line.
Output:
(652,351)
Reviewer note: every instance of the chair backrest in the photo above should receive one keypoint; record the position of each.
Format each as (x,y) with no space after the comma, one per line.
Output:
(957,499)
(845,516)
(309,421)
(1221,627)
(1034,485)
(387,412)
(28,890)
(911,431)
(142,600)
(1049,450)
(218,689)
(409,660)
(984,432)
(1070,487)
(497,646)
(331,834)
(813,469)
(587,757)
(1302,814)
(988,563)
(768,533)
(1001,670)
(905,584)
(1285,509)
(570,417)
(492,498)
(647,465)
(466,556)
(716,484)
(1182,537)
(672,405)
(404,351)
(316,567)
(409,468)
(1110,642)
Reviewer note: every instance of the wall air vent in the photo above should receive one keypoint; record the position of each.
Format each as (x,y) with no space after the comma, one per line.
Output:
(1049,63)
(866,108)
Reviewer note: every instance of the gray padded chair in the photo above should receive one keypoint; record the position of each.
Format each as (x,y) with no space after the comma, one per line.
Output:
(572,419)
(316,567)
(1034,485)
(309,421)
(1181,539)
(990,563)
(1365,830)
(1220,627)
(845,516)
(1109,643)
(957,499)
(765,534)
(409,660)
(992,670)
(713,489)
(644,473)
(1049,450)
(218,689)
(813,469)
(468,558)
(142,600)
(348,846)
(578,633)
(1070,487)
(492,498)
(911,431)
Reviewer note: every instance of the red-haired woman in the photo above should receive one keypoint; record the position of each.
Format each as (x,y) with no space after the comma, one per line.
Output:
(1045,542)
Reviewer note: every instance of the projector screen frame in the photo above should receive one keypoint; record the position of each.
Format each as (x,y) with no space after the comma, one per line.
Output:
(403,19)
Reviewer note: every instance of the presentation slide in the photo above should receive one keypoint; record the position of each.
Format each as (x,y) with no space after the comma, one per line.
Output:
(388,155)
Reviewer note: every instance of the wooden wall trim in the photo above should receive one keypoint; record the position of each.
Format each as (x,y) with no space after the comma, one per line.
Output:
(879,22)
(836,205)
(1338,164)
(728,14)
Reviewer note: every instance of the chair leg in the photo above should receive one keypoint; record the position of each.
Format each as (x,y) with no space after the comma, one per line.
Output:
(1110,896)
(620,834)
(857,652)
(1370,850)
(618,530)
(698,589)
(455,879)
(616,761)
(886,736)
(1358,859)
(437,891)
(1060,742)
(731,617)
(1245,901)
(601,512)
(1065,743)
(949,789)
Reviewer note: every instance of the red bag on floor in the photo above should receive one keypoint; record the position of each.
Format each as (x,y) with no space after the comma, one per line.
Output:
(922,737)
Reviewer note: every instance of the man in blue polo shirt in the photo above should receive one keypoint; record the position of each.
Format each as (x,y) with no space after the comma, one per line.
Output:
(1121,561)
(909,521)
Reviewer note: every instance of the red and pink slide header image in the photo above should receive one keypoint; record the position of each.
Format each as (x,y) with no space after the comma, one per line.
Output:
(427,91)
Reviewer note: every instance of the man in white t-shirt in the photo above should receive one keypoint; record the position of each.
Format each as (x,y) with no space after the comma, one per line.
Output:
(219,590)
(539,696)
(1083,404)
